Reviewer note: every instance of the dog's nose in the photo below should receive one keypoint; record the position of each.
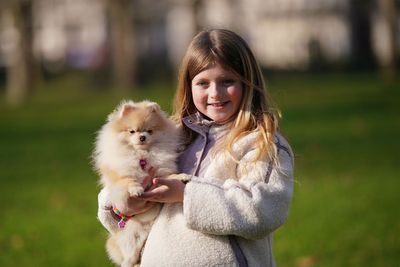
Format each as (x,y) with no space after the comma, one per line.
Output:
(142,138)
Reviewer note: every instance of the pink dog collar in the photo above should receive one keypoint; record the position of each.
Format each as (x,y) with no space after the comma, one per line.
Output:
(143,163)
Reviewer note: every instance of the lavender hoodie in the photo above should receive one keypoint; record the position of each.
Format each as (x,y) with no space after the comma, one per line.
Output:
(224,199)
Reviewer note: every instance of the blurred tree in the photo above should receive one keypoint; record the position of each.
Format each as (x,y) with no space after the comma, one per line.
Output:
(22,71)
(360,19)
(197,6)
(122,33)
(387,8)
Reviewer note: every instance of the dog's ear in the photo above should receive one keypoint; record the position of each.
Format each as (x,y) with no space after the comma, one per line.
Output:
(126,109)
(154,107)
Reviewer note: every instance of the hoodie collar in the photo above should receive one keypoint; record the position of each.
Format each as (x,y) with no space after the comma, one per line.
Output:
(203,126)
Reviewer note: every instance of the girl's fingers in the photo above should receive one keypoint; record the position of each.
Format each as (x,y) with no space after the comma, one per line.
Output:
(154,194)
(152,172)
(147,182)
(165,191)
(163,181)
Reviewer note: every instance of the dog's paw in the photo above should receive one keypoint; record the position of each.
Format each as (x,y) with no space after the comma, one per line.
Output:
(135,191)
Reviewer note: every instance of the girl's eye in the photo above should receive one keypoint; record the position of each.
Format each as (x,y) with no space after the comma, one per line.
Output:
(150,131)
(131,131)
(228,82)
(202,83)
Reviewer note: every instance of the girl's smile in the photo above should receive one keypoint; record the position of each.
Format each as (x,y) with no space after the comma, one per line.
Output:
(218,104)
(217,93)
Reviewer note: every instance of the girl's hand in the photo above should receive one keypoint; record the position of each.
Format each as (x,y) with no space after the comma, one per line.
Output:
(137,205)
(165,191)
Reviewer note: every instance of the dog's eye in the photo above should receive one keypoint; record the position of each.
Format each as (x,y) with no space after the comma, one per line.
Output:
(150,131)
(132,131)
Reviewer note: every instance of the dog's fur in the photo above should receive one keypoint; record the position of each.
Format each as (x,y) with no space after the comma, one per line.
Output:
(134,132)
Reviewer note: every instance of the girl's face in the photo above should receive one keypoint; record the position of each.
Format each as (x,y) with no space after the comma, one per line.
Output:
(217,93)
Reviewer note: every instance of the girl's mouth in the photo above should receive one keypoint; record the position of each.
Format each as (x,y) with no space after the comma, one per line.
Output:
(218,105)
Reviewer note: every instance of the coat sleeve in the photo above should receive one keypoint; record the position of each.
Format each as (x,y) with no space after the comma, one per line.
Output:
(232,208)
(103,212)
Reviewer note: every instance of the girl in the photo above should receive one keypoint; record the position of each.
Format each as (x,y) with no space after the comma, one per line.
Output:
(240,167)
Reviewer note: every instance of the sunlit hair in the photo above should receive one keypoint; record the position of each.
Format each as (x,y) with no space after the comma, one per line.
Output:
(255,113)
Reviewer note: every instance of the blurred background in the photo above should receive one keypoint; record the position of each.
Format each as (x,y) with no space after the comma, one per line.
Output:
(330,66)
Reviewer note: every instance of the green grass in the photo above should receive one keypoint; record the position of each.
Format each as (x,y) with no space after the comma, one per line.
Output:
(344,129)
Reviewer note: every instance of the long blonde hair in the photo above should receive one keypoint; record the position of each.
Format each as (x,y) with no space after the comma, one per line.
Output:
(255,113)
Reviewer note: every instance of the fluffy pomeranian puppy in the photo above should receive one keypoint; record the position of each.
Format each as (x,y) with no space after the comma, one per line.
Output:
(136,137)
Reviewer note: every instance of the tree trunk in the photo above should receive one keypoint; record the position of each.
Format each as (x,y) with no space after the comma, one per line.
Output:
(123,54)
(361,33)
(20,69)
(197,13)
(387,9)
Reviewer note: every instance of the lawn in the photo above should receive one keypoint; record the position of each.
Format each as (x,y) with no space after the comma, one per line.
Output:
(344,129)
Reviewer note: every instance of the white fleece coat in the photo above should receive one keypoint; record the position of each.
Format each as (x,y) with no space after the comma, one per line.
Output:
(248,201)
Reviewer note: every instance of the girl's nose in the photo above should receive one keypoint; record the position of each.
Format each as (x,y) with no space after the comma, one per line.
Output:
(214,90)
